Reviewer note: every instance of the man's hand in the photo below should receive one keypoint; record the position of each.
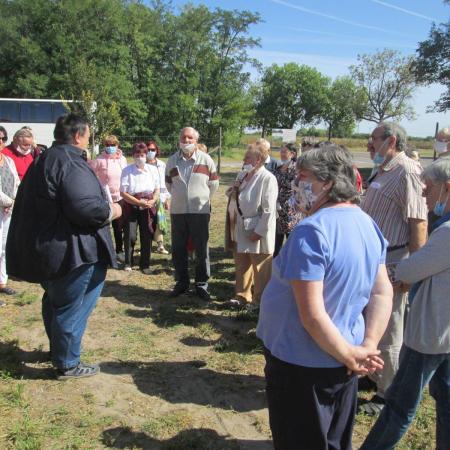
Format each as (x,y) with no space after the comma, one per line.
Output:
(254,237)
(144,204)
(167,205)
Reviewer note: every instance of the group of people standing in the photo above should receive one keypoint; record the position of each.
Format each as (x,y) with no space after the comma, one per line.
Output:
(332,299)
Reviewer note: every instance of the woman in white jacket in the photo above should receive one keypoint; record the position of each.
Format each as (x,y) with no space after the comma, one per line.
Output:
(252,222)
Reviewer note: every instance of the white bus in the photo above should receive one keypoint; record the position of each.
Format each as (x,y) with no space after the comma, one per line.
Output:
(39,114)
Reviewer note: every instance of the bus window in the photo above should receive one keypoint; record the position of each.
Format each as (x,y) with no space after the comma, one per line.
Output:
(9,112)
(58,111)
(36,112)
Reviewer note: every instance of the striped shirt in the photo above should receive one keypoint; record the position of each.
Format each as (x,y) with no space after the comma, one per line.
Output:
(394,196)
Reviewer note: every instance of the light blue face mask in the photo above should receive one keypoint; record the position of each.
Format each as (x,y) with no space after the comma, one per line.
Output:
(111,149)
(378,159)
(439,207)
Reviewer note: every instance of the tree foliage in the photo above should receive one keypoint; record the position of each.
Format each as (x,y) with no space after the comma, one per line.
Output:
(151,71)
(433,62)
(289,95)
(389,84)
(346,104)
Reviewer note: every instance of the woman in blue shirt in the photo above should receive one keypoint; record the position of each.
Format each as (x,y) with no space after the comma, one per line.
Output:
(324,310)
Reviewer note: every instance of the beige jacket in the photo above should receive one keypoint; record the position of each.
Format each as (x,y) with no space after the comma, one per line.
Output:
(257,202)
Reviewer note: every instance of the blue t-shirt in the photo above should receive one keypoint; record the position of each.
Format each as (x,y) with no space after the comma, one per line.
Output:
(341,246)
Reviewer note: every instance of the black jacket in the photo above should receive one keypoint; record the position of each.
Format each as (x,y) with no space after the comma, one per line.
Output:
(60,218)
(272,165)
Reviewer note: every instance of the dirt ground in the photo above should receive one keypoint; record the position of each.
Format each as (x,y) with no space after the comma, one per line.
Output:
(176,374)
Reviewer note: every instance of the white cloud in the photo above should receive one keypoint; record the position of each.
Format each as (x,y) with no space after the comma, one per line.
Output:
(406,11)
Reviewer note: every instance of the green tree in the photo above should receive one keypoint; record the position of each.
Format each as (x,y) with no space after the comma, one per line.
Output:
(346,104)
(389,84)
(433,62)
(289,95)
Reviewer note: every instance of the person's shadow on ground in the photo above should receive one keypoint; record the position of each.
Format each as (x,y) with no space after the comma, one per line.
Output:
(196,439)
(192,382)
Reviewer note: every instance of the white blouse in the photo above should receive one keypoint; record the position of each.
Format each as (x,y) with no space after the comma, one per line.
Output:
(136,181)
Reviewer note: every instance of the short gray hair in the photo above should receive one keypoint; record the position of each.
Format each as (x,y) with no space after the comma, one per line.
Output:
(394,129)
(23,133)
(332,163)
(196,133)
(438,171)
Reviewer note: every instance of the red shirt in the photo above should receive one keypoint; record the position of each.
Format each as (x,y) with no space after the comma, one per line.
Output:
(22,162)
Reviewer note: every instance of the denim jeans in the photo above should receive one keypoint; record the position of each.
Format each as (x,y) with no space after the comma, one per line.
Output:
(66,306)
(403,397)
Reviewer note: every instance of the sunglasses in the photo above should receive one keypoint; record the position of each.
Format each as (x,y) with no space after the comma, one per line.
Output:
(3,138)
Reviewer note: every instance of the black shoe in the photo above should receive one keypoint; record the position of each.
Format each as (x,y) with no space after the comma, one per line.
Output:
(7,291)
(180,288)
(373,406)
(202,293)
(81,370)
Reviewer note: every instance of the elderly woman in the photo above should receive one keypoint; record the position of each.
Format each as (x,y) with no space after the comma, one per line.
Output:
(9,182)
(311,321)
(164,195)
(425,355)
(251,219)
(139,189)
(285,174)
(108,167)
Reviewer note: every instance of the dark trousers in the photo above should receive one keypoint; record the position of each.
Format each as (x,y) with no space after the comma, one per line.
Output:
(137,217)
(310,408)
(279,238)
(118,234)
(66,306)
(196,226)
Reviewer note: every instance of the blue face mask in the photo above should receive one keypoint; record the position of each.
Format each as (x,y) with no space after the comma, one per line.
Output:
(111,149)
(378,159)
(439,207)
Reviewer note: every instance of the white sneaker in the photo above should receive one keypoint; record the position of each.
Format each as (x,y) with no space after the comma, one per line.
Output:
(162,251)
(127,269)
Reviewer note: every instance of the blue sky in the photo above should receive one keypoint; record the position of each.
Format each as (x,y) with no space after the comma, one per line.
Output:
(329,34)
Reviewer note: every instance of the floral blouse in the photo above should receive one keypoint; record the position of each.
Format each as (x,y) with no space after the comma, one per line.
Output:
(287,216)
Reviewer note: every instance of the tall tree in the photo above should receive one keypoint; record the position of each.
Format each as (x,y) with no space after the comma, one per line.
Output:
(346,104)
(389,85)
(289,95)
(433,62)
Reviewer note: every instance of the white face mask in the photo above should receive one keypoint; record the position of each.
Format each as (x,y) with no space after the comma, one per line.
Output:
(23,151)
(151,154)
(140,161)
(187,148)
(247,167)
(440,147)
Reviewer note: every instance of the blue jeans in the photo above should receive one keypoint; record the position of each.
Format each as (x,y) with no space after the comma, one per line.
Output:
(66,306)
(404,395)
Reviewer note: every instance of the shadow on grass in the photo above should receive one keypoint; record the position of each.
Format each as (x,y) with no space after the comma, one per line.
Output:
(191,382)
(14,362)
(196,439)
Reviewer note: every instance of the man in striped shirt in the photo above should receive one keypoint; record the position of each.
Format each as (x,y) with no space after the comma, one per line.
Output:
(394,201)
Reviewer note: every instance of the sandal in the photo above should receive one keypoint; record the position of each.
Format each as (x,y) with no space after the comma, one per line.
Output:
(81,370)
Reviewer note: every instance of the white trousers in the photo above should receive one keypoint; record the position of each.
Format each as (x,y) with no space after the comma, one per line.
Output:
(5,219)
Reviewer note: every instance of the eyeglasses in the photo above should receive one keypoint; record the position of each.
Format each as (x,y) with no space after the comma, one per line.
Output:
(151,149)
(3,138)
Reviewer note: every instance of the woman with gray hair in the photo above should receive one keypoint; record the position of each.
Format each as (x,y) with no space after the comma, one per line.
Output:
(316,338)
(425,355)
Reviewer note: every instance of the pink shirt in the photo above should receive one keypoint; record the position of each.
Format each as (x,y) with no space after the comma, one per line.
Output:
(108,169)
